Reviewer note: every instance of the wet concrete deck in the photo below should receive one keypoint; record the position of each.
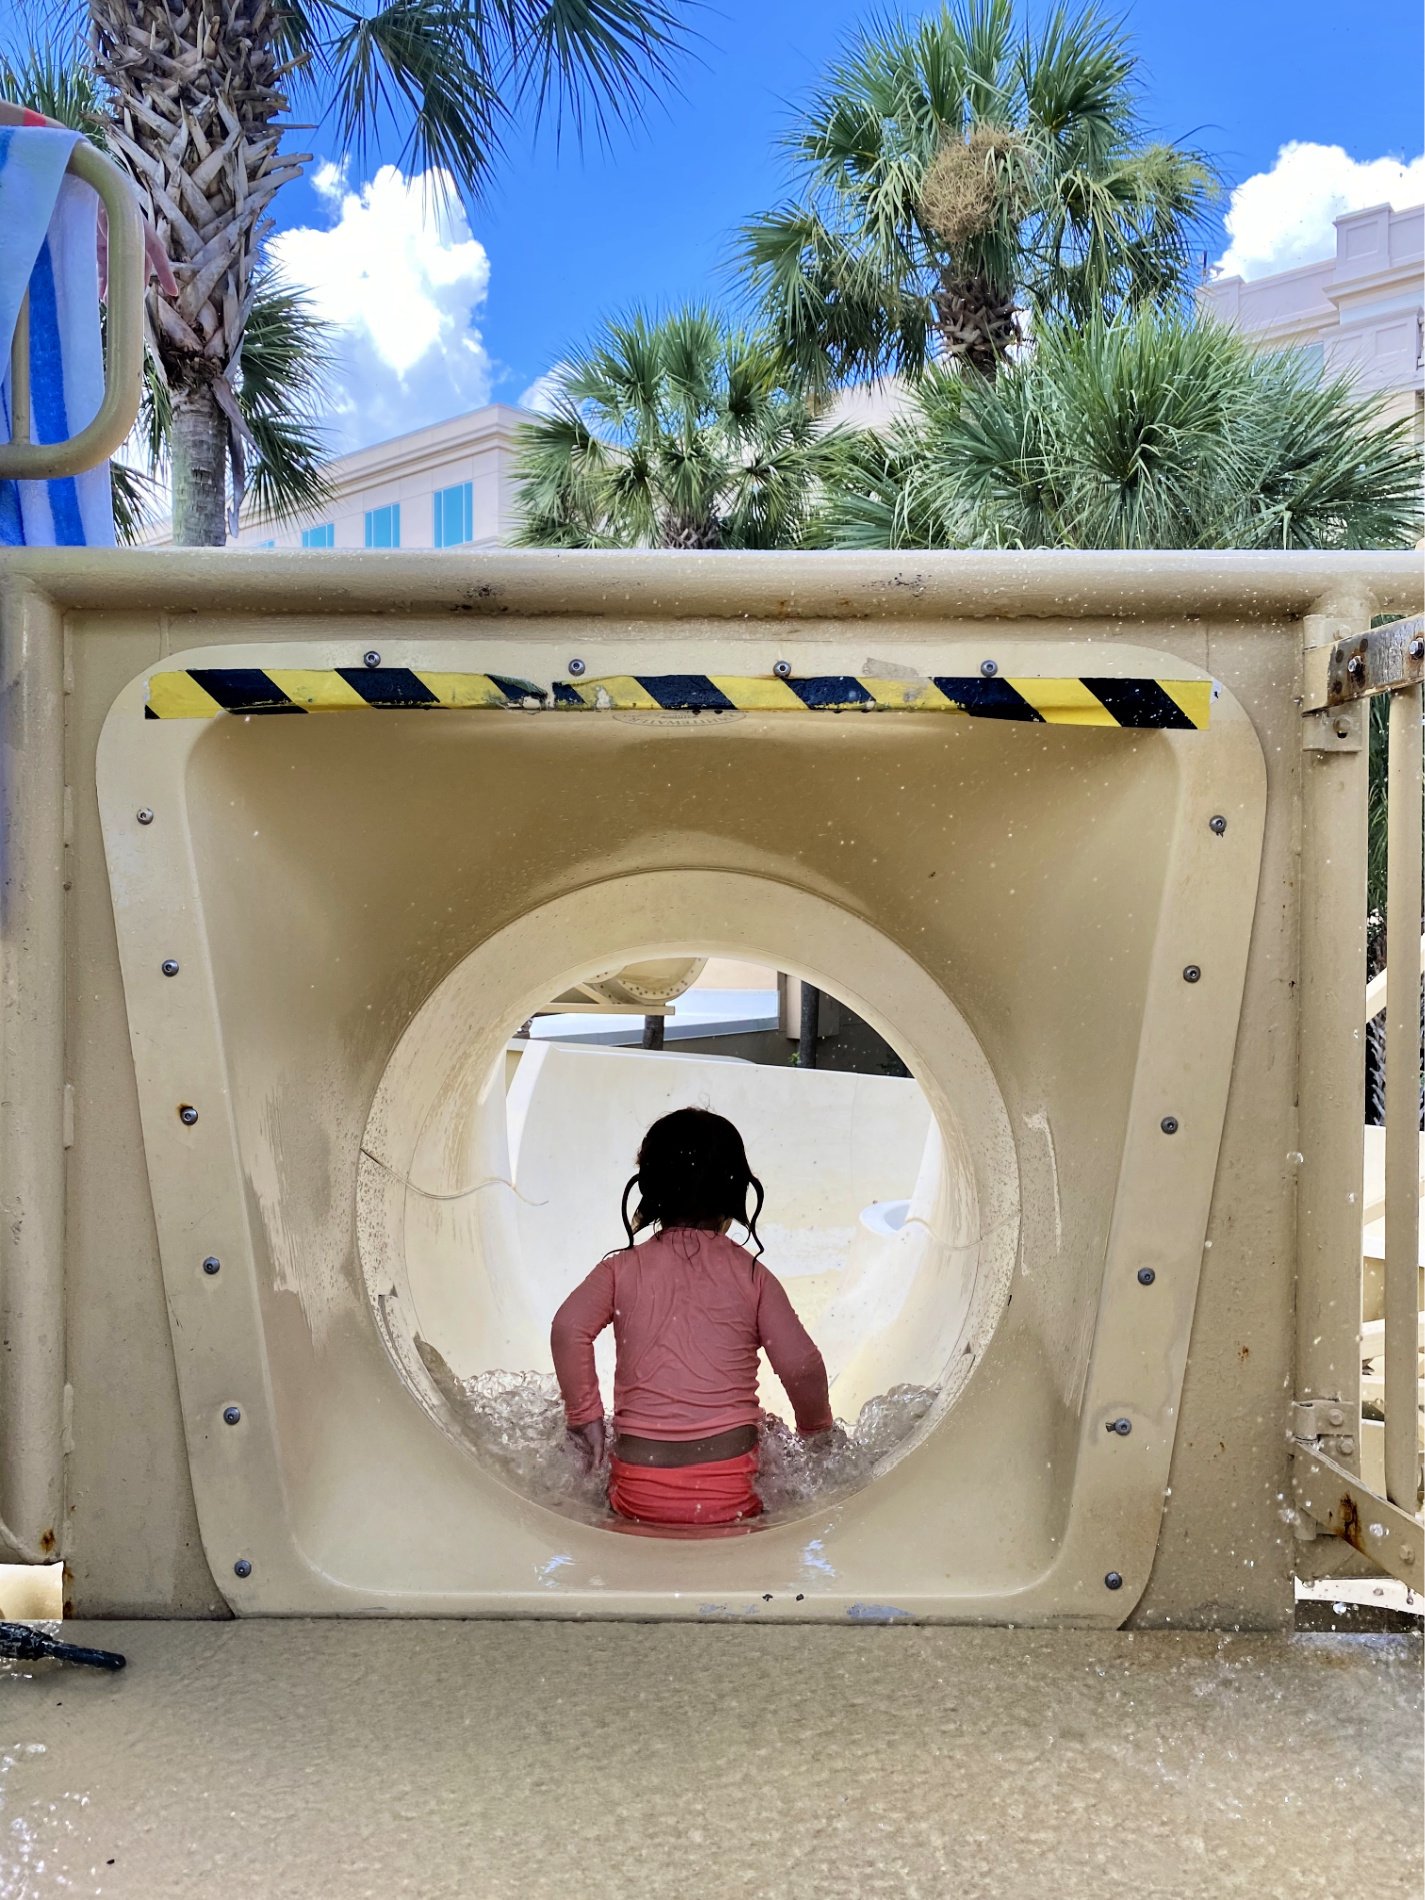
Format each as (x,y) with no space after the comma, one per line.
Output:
(618,1761)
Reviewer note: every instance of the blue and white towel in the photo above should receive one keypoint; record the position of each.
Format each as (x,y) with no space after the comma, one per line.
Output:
(48,227)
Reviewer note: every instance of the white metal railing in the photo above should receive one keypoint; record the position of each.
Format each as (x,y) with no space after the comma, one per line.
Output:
(23,459)
(1384,1522)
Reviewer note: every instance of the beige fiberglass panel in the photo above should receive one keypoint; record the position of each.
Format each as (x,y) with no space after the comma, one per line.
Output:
(1013,905)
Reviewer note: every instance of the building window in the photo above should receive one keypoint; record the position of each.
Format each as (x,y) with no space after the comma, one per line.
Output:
(454,516)
(383,526)
(322,536)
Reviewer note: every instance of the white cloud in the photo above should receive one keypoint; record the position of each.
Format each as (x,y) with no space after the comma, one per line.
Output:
(544,392)
(1282,218)
(399,271)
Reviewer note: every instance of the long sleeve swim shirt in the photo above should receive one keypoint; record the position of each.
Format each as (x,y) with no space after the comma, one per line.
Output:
(690,1311)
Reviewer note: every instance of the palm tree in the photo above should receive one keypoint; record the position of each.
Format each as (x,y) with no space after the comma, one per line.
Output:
(287,353)
(955,174)
(195,97)
(1150,431)
(675,433)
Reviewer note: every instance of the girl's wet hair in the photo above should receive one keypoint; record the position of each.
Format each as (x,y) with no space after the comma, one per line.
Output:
(692,1172)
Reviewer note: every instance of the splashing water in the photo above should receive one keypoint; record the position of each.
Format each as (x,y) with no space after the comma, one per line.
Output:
(514,1423)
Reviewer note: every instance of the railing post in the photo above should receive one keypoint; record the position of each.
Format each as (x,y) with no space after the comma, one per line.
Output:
(1330,1051)
(32,978)
(1402,1097)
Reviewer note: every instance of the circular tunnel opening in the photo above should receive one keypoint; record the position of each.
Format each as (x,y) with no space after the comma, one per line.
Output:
(507,1123)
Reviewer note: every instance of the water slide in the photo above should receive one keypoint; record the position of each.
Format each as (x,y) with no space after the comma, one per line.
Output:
(1046,823)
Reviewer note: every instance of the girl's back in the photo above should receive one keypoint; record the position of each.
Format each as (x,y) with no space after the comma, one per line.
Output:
(690,1312)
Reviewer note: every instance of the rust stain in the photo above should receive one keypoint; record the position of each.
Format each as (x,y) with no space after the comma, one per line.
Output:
(47,1542)
(1244,1352)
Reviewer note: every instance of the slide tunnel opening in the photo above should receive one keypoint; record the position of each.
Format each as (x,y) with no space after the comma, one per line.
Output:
(495,1164)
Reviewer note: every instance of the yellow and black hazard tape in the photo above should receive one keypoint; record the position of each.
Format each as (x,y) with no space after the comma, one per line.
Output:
(204,692)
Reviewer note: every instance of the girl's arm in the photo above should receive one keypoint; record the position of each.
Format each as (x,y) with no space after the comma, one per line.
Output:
(794,1356)
(577,1324)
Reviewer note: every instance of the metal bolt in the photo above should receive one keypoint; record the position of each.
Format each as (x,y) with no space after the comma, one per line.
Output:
(1113,1581)
(989,668)
(232,1415)
(145,816)
(1335,1416)
(1407,1554)
(783,669)
(1218,824)
(371,657)
(187,1115)
(1120,1426)
(1343,728)
(169,966)
(1192,974)
(1169,1124)
(242,1568)
(576,667)
(1348,1447)
(1355,666)
(212,1264)
(1146,1276)
(1416,649)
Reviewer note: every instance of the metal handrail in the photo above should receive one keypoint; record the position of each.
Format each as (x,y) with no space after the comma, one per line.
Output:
(24,460)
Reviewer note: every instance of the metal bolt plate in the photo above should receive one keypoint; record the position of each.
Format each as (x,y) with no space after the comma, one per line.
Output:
(1376,662)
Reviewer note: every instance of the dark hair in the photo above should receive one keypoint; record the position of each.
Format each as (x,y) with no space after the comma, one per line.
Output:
(692,1172)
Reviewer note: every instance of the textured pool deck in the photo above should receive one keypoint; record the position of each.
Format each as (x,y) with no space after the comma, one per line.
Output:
(619,1761)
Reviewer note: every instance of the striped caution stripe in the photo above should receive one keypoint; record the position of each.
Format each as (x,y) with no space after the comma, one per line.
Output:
(204,692)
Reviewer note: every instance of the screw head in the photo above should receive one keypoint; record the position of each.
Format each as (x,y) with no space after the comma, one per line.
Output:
(1113,1581)
(576,667)
(1355,666)
(783,669)
(1169,1124)
(1192,974)
(1416,649)
(1121,1427)
(1217,824)
(1343,728)
(144,815)
(212,1264)
(989,668)
(242,1568)
(371,657)
(169,966)
(232,1415)
(187,1115)
(1146,1276)
(1348,1450)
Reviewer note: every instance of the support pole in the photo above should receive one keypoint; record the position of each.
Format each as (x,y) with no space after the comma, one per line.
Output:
(32,974)
(1330,1050)
(810,1022)
(1402,1096)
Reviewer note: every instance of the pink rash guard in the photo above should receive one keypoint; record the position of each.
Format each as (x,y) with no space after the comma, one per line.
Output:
(689,1310)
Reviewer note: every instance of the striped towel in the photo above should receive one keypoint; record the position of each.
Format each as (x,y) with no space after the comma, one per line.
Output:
(47,244)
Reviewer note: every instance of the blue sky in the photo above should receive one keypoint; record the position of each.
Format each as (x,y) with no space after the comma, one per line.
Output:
(441,316)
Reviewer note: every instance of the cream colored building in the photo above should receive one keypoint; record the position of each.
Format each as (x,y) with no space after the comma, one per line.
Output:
(448,485)
(1359,311)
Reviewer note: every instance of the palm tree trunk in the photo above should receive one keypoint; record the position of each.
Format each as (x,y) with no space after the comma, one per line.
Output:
(200,452)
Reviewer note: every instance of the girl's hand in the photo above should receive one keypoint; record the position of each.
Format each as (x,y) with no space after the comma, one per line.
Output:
(589,1441)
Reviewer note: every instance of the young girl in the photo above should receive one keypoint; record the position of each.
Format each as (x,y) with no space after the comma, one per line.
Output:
(689,1309)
